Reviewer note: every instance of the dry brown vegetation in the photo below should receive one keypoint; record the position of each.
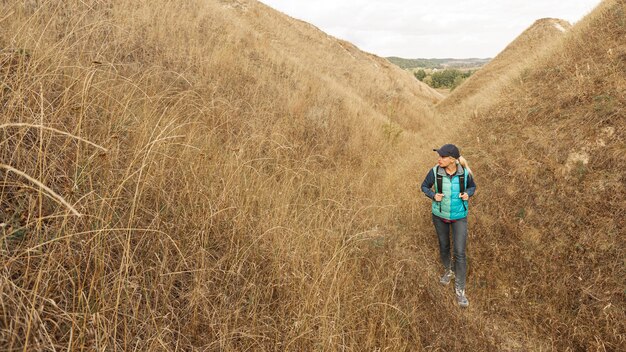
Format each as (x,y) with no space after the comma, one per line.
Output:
(551,221)
(258,188)
(239,202)
(483,87)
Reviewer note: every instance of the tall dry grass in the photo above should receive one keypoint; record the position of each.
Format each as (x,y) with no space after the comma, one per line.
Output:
(550,224)
(244,200)
(484,87)
(259,191)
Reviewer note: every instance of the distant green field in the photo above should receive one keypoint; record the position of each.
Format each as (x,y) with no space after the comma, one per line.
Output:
(438,63)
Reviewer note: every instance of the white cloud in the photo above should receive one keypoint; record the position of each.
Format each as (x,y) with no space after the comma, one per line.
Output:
(430,28)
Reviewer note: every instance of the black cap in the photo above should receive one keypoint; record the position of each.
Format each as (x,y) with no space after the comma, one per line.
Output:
(448,150)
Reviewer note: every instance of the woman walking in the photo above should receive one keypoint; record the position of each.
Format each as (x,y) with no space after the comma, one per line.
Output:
(453,186)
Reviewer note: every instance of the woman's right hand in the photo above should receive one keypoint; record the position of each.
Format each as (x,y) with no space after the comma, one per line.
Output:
(438,197)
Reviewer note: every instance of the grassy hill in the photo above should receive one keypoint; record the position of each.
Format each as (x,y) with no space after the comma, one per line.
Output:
(399,99)
(505,66)
(217,176)
(549,225)
(231,167)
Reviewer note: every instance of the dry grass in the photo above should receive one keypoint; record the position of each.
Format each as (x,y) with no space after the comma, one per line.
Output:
(244,199)
(550,225)
(259,193)
(484,87)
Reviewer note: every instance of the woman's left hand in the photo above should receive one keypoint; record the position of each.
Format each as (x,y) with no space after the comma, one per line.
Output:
(464,196)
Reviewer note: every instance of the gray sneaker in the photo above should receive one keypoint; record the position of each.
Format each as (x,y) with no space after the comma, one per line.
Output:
(461,298)
(447,276)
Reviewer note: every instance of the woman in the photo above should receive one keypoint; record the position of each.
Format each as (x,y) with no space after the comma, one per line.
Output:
(453,186)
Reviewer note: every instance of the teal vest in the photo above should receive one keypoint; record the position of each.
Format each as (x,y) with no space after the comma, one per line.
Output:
(451,207)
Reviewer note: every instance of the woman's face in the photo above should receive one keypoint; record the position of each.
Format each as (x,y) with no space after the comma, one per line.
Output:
(445,161)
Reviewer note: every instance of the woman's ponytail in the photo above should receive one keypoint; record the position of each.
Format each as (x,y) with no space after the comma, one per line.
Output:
(465,165)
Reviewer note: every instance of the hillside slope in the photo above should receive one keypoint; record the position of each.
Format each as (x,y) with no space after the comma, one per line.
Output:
(490,79)
(246,182)
(550,216)
(231,167)
(389,89)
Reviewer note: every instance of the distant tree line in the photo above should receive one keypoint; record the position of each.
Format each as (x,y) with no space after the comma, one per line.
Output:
(409,64)
(448,78)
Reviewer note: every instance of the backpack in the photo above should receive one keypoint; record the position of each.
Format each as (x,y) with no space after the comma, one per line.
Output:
(439,183)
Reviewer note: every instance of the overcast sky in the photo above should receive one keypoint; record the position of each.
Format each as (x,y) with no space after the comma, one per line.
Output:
(430,28)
